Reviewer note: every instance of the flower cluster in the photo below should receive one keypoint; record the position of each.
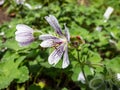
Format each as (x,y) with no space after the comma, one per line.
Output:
(24,35)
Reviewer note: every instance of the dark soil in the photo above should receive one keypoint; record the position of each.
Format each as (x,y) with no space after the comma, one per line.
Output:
(3,16)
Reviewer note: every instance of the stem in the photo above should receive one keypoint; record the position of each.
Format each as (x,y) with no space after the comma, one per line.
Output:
(94,64)
(110,85)
(38,31)
(82,67)
(59,81)
(38,73)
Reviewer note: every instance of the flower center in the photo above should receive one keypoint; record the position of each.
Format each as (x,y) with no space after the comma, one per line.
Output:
(64,40)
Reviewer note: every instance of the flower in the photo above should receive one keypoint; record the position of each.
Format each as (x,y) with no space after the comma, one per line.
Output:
(106,16)
(118,76)
(2,2)
(20,1)
(81,77)
(28,6)
(60,43)
(24,34)
(107,13)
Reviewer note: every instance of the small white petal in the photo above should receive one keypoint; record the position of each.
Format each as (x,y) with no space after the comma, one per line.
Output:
(28,6)
(24,28)
(56,55)
(99,28)
(118,76)
(65,59)
(2,2)
(47,36)
(38,7)
(20,1)
(108,12)
(92,70)
(2,33)
(81,77)
(112,34)
(112,41)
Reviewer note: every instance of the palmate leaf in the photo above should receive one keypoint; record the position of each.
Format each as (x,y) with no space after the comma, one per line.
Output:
(94,57)
(14,45)
(9,71)
(76,70)
(113,64)
(22,75)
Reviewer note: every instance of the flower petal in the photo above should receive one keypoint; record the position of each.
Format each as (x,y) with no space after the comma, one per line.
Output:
(20,1)
(54,23)
(81,77)
(47,36)
(56,55)
(24,38)
(67,34)
(51,42)
(118,76)
(47,43)
(19,33)
(65,59)
(26,43)
(24,28)
(107,13)
(2,2)
(28,6)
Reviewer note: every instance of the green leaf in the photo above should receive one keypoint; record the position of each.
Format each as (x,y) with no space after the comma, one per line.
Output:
(10,70)
(64,88)
(34,87)
(12,44)
(97,83)
(76,70)
(22,75)
(9,55)
(114,64)
(94,57)
(118,45)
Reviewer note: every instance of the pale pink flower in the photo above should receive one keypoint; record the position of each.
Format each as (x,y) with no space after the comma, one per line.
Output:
(60,43)
(81,77)
(2,2)
(106,16)
(118,76)
(107,13)
(20,1)
(24,34)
